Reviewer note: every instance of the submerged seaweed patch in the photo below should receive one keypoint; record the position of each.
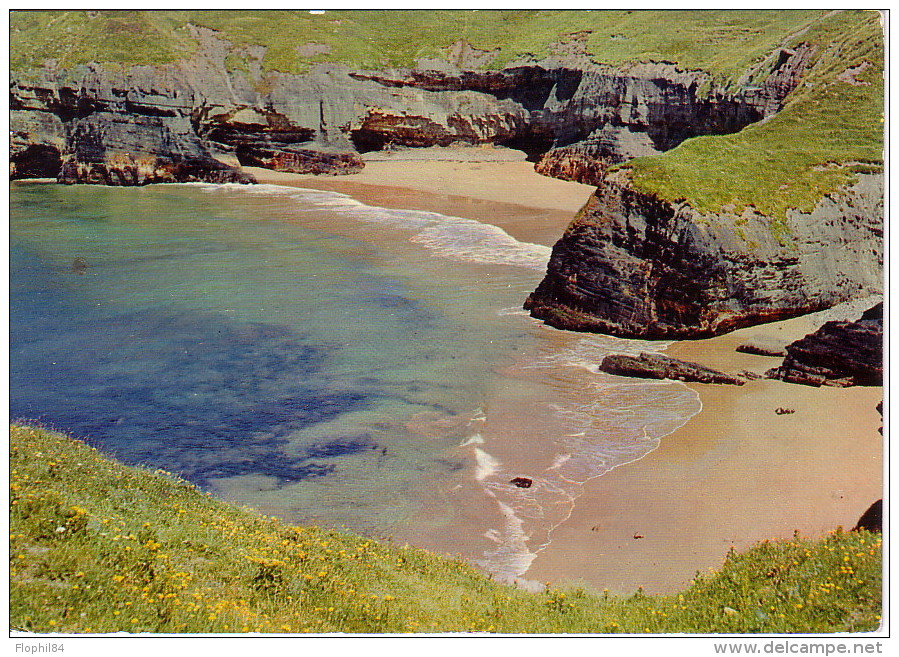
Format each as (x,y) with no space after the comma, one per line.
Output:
(341,447)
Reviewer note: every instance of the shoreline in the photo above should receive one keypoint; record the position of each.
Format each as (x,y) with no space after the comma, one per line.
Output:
(511,195)
(735,474)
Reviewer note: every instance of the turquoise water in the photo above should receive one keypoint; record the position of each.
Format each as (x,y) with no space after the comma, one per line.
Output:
(319,359)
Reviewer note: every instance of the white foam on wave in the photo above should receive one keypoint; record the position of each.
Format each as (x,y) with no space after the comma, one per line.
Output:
(457,238)
(472,440)
(486,464)
(466,239)
(605,422)
(587,353)
(559,461)
(261,190)
(518,310)
(512,557)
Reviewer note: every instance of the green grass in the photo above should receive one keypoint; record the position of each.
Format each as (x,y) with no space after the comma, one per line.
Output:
(827,132)
(721,42)
(114,39)
(96,546)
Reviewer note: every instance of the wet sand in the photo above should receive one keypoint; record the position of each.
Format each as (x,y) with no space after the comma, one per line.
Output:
(735,474)
(511,195)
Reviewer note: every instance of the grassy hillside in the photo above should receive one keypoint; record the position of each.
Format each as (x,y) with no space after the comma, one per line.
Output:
(96,546)
(722,42)
(831,128)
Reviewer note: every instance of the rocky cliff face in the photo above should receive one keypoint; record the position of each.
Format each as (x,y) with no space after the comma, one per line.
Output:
(635,266)
(197,119)
(90,126)
(654,107)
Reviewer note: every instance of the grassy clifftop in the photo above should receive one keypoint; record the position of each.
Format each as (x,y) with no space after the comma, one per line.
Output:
(831,128)
(721,42)
(96,546)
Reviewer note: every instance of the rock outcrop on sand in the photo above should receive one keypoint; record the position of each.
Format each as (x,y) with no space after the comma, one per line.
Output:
(838,354)
(872,519)
(635,266)
(763,347)
(656,366)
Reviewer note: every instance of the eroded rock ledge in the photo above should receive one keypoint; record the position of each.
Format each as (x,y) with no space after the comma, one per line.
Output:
(838,354)
(633,265)
(656,366)
(198,119)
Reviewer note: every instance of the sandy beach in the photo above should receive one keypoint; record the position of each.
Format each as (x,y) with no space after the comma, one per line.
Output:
(528,206)
(735,474)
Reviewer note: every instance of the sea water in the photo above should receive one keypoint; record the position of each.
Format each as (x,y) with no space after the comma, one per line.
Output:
(320,360)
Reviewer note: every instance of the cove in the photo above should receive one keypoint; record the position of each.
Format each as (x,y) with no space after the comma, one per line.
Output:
(320,360)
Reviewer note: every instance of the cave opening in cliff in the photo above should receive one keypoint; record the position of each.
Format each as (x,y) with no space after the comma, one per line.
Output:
(534,146)
(366,141)
(36,161)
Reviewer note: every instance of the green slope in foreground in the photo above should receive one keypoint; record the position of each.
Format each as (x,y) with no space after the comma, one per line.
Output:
(96,546)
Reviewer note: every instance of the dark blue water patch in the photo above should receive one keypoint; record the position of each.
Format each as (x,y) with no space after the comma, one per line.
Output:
(342,447)
(284,468)
(383,293)
(289,468)
(112,348)
(193,392)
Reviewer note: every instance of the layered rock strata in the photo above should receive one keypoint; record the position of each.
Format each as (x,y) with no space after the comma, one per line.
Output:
(838,354)
(656,366)
(633,265)
(199,118)
(758,347)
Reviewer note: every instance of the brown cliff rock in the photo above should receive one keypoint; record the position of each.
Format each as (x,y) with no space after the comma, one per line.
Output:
(635,266)
(838,354)
(302,160)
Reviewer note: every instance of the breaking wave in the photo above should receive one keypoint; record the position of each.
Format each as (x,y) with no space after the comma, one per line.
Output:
(457,238)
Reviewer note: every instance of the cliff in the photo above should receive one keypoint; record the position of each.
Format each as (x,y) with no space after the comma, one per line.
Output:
(88,124)
(636,266)
(781,219)
(739,176)
(200,117)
